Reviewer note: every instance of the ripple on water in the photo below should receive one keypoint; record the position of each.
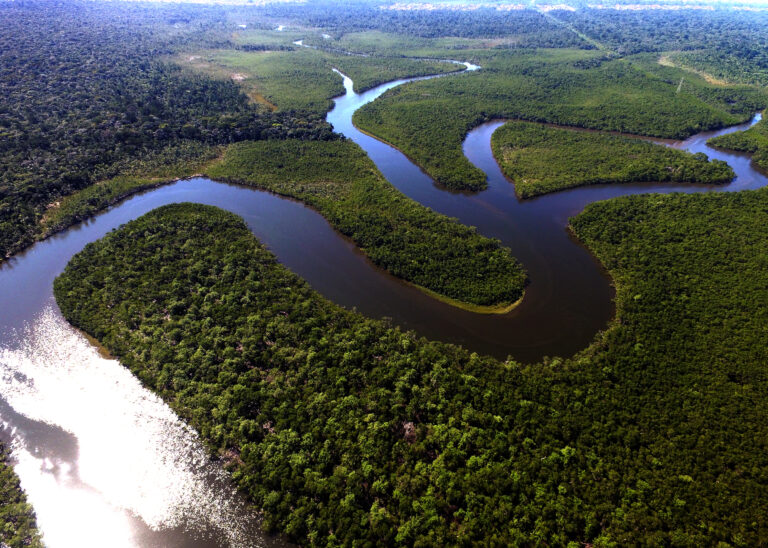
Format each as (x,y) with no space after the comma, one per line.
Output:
(103,460)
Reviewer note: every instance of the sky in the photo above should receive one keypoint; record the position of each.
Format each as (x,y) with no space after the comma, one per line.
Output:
(606,4)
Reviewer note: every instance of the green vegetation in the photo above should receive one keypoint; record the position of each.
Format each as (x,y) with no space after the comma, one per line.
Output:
(741,33)
(298,80)
(428,120)
(17,519)
(388,44)
(369,72)
(407,239)
(339,180)
(723,66)
(183,160)
(347,431)
(255,39)
(541,159)
(728,45)
(516,28)
(343,429)
(754,140)
(302,79)
(84,99)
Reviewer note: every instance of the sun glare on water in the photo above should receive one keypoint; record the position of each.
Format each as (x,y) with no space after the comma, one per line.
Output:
(108,457)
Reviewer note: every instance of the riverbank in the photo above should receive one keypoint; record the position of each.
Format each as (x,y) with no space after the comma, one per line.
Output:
(408,240)
(560,421)
(541,159)
(17,517)
(502,308)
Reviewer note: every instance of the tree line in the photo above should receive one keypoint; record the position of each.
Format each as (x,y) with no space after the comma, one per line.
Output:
(84,94)
(16,515)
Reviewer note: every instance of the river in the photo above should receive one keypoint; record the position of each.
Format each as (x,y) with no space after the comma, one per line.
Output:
(105,462)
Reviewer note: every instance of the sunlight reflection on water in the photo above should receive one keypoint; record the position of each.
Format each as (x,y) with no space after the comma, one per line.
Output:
(129,459)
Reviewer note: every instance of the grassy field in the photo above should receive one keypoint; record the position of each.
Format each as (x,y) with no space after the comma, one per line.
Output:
(374,42)
(302,79)
(409,240)
(753,140)
(348,431)
(429,120)
(541,159)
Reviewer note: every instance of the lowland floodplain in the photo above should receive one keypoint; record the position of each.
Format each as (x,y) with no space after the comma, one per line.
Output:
(302,420)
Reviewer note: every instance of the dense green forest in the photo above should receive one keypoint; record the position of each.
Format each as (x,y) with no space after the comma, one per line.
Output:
(387,44)
(343,429)
(541,159)
(754,140)
(522,28)
(349,431)
(724,66)
(18,529)
(407,239)
(428,120)
(185,159)
(740,33)
(84,96)
(729,45)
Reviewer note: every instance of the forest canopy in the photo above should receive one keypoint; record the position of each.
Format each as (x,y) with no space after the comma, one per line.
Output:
(85,96)
(407,239)
(346,430)
(540,159)
(16,515)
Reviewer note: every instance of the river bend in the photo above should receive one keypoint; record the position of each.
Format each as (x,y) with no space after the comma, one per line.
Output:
(106,463)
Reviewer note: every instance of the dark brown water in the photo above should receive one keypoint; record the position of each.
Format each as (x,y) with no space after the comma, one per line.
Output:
(570,297)
(106,463)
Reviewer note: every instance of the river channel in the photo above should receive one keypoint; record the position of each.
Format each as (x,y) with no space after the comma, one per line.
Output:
(105,462)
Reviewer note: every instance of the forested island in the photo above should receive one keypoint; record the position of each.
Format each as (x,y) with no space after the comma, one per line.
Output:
(343,429)
(540,159)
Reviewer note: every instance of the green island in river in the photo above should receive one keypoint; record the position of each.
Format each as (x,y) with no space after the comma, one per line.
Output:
(540,159)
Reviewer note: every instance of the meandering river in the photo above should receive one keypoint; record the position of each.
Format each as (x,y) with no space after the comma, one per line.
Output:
(106,463)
